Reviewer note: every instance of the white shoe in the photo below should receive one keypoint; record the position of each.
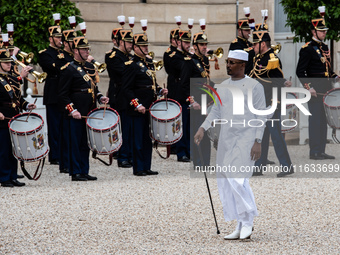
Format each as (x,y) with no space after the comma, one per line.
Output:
(233,236)
(246,232)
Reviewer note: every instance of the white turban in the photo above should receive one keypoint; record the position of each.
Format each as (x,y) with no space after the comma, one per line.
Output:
(238,54)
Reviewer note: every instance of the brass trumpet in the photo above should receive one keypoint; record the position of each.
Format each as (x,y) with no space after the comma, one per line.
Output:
(158,64)
(41,77)
(101,67)
(218,53)
(277,48)
(28,57)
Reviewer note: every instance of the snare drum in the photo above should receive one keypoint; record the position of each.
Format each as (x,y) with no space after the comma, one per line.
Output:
(332,107)
(104,135)
(28,138)
(291,115)
(166,121)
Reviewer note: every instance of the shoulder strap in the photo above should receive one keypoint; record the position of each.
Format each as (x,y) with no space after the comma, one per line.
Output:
(8,88)
(199,67)
(79,70)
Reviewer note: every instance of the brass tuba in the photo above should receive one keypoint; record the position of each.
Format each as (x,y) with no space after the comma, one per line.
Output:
(28,57)
(277,48)
(218,53)
(158,64)
(40,76)
(101,67)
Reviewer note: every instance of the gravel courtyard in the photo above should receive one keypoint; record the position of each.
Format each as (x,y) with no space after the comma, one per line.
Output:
(169,213)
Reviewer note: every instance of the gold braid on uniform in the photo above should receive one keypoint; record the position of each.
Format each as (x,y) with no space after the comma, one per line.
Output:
(260,70)
(94,76)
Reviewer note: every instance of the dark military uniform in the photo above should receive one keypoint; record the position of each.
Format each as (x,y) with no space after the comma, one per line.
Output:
(197,67)
(315,70)
(78,92)
(267,70)
(62,60)
(139,87)
(115,60)
(241,43)
(11,104)
(47,61)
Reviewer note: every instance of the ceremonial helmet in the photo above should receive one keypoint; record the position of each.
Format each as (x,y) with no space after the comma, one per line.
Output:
(114,33)
(319,24)
(140,39)
(200,37)
(68,35)
(5,56)
(174,33)
(243,24)
(125,35)
(54,31)
(184,35)
(80,42)
(261,36)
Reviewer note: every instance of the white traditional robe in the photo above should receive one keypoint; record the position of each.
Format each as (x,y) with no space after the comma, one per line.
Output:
(234,147)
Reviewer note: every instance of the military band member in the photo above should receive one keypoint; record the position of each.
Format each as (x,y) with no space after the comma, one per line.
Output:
(242,42)
(172,68)
(197,67)
(141,89)
(115,60)
(47,60)
(268,71)
(65,57)
(77,94)
(112,89)
(178,59)
(315,73)
(11,104)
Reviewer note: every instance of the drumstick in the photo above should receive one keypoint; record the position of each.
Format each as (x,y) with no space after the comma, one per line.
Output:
(104,110)
(29,113)
(86,117)
(7,118)
(148,110)
(321,94)
(166,98)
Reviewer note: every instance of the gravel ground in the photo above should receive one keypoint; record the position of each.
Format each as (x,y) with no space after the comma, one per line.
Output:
(167,214)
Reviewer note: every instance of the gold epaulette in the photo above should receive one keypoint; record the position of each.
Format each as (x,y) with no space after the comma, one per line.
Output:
(306,44)
(235,41)
(42,51)
(64,66)
(187,58)
(172,54)
(273,62)
(113,54)
(168,50)
(248,49)
(60,55)
(108,52)
(128,62)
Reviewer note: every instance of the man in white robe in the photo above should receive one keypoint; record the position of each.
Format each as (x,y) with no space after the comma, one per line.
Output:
(239,143)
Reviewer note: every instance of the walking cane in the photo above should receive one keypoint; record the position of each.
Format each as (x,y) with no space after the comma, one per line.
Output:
(206,181)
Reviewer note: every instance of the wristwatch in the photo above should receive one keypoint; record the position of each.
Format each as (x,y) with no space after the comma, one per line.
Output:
(258,140)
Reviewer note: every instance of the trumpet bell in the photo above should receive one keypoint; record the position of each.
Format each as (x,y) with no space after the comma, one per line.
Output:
(28,57)
(151,54)
(41,77)
(277,48)
(216,53)
(101,67)
(158,64)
